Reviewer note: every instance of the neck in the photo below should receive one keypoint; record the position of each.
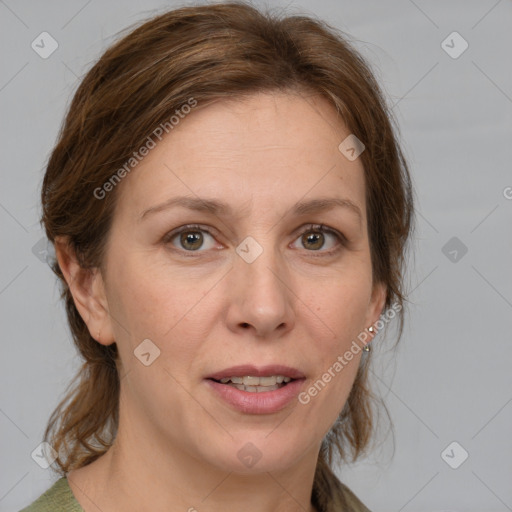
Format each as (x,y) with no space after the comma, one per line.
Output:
(145,473)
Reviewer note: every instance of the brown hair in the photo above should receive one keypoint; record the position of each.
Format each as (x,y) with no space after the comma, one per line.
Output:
(210,52)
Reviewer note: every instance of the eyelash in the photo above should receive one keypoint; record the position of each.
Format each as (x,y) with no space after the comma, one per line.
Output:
(318,228)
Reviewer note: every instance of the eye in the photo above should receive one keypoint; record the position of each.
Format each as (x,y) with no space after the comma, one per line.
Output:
(313,238)
(190,238)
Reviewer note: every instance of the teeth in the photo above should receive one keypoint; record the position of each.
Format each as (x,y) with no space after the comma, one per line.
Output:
(255,382)
(255,389)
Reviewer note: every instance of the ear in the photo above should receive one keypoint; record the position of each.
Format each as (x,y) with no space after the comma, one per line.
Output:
(88,291)
(376,305)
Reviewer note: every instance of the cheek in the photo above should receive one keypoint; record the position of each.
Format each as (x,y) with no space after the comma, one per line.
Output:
(163,309)
(146,303)
(340,308)
(340,311)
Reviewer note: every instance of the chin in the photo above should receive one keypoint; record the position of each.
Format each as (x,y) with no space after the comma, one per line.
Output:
(250,455)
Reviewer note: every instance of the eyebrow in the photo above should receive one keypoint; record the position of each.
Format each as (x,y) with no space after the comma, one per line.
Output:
(216,207)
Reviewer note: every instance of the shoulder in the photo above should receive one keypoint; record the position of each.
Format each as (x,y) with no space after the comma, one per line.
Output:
(58,498)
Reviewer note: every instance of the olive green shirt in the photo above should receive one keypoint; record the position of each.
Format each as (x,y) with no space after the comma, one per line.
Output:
(60,498)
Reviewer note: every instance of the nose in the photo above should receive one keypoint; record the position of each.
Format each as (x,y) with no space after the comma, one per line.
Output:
(260,296)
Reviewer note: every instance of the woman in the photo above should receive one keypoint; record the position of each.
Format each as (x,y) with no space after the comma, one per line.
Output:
(230,210)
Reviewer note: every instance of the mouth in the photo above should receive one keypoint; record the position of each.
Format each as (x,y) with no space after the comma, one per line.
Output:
(257,390)
(257,380)
(256,384)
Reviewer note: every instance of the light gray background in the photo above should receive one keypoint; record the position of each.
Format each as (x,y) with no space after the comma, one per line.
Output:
(450,378)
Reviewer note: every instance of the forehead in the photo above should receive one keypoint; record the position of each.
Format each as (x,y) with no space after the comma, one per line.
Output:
(251,153)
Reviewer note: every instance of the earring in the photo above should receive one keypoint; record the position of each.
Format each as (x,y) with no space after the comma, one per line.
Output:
(367,347)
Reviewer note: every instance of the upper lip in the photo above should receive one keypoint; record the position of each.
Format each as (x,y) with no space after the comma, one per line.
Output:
(257,371)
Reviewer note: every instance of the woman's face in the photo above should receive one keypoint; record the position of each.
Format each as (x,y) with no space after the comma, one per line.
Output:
(251,283)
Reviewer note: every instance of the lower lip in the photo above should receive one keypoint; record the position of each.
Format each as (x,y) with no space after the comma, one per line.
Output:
(264,402)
